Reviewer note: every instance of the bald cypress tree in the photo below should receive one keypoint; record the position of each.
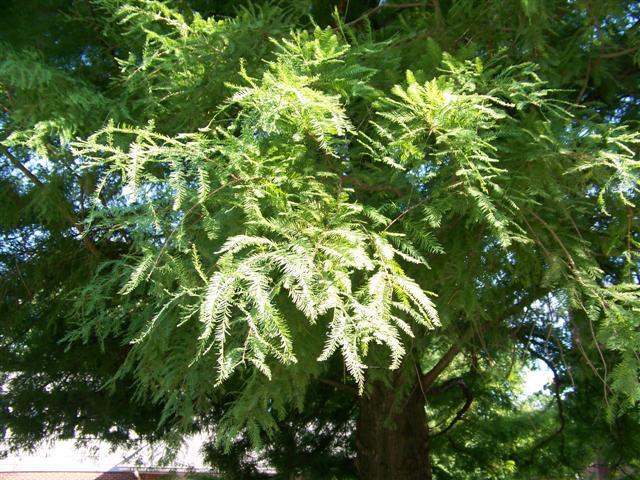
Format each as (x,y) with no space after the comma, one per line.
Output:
(338,229)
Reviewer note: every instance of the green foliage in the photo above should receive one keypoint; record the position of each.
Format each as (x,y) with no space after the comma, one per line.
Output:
(244,205)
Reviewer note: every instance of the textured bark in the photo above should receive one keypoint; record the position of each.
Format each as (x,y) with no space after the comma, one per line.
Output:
(392,437)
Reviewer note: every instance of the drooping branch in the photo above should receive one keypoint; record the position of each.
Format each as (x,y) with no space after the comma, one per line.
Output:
(69,217)
(576,274)
(468,400)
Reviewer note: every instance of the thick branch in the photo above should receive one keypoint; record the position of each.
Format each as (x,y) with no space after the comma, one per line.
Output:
(585,83)
(428,379)
(88,243)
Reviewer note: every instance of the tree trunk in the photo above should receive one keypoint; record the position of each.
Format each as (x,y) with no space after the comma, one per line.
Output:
(392,436)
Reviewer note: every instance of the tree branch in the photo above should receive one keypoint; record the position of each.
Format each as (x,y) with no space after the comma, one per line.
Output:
(88,243)
(339,385)
(428,379)
(437,10)
(383,5)
(111,50)
(402,214)
(468,400)
(618,53)
(370,188)
(20,166)
(585,83)
(445,386)
(556,394)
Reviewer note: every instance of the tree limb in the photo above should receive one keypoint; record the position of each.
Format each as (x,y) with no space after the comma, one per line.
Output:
(428,379)
(437,10)
(370,188)
(556,394)
(20,166)
(383,5)
(585,83)
(468,400)
(69,217)
(339,385)
(618,53)
(402,214)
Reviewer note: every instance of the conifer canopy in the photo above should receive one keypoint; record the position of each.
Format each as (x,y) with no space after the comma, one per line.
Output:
(288,223)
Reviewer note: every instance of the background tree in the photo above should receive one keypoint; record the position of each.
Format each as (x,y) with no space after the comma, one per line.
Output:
(335,231)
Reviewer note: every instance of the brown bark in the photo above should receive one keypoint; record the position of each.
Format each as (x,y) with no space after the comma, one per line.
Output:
(392,436)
